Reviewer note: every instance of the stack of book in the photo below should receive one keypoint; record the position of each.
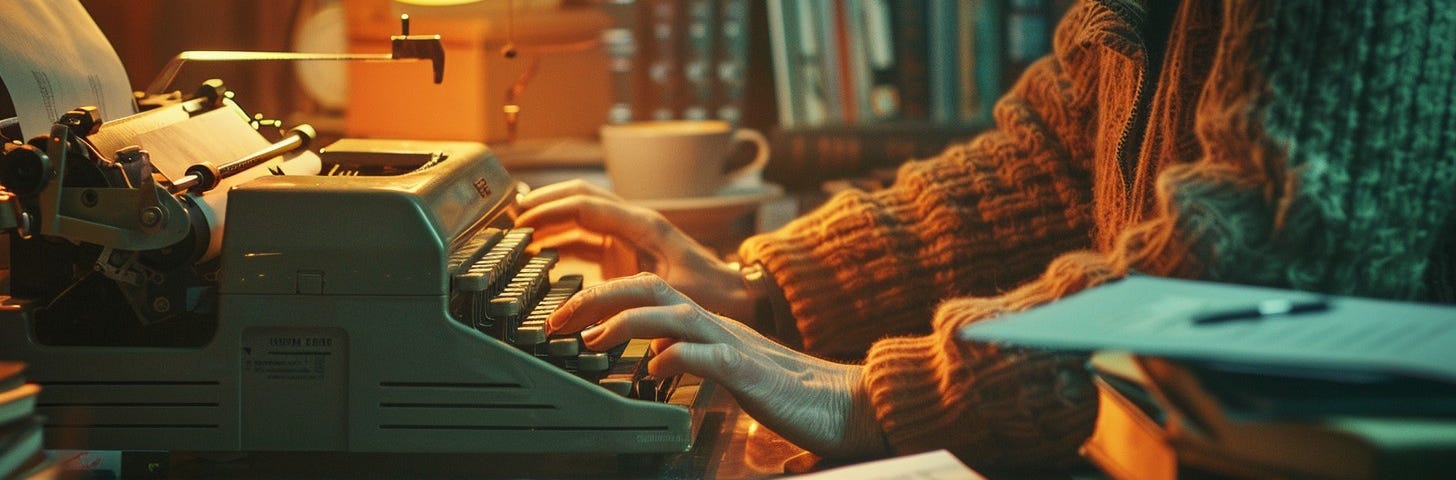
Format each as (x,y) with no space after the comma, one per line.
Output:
(1241,381)
(20,427)
(1162,418)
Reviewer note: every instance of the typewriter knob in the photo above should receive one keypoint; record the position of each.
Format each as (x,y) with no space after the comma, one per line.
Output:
(82,121)
(213,90)
(25,169)
(207,174)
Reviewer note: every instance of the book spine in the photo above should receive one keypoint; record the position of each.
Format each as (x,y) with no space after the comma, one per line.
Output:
(945,60)
(804,157)
(732,68)
(1027,35)
(882,93)
(784,38)
(982,77)
(1126,443)
(845,50)
(858,52)
(912,47)
(822,24)
(662,72)
(621,47)
(698,65)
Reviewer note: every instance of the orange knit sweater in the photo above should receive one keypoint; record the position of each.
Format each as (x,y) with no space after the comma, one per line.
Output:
(1307,144)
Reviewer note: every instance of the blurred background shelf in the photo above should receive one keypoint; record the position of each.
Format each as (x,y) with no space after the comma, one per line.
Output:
(847,90)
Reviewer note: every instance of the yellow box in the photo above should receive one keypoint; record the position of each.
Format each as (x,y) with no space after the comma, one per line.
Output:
(566,96)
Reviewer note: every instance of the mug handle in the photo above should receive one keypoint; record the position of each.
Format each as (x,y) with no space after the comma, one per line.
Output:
(759,160)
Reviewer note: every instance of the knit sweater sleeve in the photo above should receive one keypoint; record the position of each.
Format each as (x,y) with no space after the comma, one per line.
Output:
(992,405)
(1282,126)
(980,225)
(980,218)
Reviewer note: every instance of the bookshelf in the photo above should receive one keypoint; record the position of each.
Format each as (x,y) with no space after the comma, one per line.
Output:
(680,59)
(855,86)
(864,85)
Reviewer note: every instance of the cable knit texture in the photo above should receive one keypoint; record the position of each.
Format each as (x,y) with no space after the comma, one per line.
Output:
(1307,144)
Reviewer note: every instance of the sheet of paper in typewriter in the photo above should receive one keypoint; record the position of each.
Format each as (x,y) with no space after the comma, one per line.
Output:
(54,58)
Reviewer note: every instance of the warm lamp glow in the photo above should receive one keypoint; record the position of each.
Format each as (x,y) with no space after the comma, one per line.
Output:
(437,3)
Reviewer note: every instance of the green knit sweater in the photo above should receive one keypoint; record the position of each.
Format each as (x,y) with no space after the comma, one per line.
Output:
(1302,143)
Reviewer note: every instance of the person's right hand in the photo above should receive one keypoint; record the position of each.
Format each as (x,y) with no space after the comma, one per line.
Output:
(582,220)
(819,405)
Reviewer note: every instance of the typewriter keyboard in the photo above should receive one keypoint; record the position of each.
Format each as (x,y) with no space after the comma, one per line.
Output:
(506,293)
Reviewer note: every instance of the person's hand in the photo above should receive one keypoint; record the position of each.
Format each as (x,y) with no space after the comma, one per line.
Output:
(819,405)
(582,220)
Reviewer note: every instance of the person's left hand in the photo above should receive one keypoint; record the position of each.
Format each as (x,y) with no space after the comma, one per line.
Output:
(585,221)
(819,405)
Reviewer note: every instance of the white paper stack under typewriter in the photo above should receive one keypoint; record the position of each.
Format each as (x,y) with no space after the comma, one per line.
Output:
(180,282)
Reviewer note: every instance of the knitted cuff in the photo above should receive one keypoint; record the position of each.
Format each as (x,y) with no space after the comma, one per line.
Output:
(771,314)
(993,407)
(903,379)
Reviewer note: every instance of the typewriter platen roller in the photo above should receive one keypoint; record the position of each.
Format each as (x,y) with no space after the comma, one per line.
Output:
(372,298)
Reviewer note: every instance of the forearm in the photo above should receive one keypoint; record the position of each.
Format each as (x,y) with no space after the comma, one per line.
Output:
(993,406)
(980,218)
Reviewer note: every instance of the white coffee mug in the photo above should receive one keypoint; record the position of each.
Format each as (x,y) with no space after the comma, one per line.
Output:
(676,158)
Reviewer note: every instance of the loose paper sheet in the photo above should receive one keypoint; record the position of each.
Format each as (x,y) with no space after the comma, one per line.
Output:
(937,465)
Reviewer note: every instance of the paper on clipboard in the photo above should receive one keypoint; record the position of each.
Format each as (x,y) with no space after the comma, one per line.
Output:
(1155,316)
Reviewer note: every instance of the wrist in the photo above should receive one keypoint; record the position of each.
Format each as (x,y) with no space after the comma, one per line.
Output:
(771,315)
(863,434)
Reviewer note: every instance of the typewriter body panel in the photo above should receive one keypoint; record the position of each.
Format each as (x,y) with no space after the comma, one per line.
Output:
(323,319)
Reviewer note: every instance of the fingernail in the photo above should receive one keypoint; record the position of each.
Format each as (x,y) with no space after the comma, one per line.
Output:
(561,316)
(591,333)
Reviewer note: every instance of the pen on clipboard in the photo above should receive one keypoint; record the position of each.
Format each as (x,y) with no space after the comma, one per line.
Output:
(1262,310)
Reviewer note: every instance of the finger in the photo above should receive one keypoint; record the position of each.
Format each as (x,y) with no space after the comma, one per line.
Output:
(721,363)
(638,226)
(612,259)
(683,322)
(545,231)
(574,244)
(769,348)
(621,260)
(608,298)
(560,190)
(737,335)
(661,344)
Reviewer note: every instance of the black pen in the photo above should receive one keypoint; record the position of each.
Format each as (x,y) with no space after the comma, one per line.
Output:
(1266,308)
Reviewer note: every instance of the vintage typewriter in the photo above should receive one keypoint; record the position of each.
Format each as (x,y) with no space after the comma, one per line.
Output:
(373,297)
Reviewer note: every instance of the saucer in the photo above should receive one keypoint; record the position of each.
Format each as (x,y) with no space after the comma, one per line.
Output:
(735,199)
(719,221)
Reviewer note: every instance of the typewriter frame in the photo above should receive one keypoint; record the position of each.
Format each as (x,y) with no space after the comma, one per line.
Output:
(333,333)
